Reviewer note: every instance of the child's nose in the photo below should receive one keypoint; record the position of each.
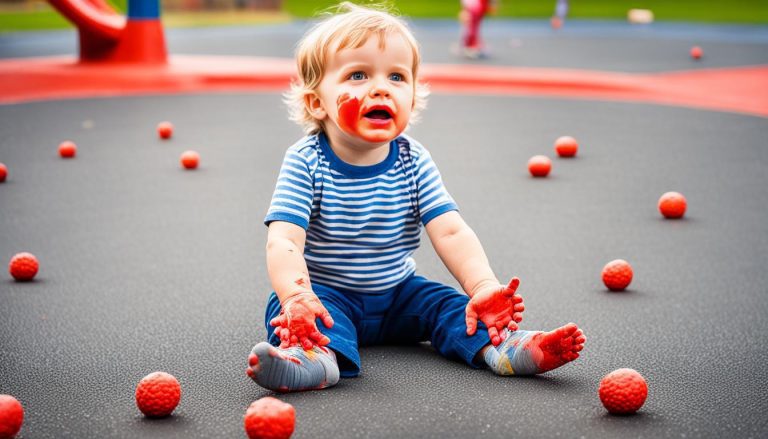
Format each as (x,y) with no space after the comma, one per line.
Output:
(379,90)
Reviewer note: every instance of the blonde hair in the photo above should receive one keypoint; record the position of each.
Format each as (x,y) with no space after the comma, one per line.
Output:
(350,27)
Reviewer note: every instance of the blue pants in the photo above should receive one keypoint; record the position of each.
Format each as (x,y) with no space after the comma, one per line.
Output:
(416,310)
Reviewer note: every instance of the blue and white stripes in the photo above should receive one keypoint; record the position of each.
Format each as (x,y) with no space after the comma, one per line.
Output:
(363,222)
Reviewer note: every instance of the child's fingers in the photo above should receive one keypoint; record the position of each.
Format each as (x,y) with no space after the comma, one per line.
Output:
(512,287)
(471,321)
(519,307)
(500,324)
(319,338)
(517,317)
(278,321)
(512,326)
(326,318)
(493,334)
(306,343)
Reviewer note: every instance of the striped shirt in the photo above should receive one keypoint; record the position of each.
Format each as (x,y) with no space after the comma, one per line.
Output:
(363,223)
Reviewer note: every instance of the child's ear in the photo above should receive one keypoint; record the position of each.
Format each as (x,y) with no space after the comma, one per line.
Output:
(315,106)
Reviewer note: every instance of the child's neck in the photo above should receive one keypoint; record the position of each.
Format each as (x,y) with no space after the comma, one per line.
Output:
(357,153)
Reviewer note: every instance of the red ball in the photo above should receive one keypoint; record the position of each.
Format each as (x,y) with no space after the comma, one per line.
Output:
(672,205)
(165,130)
(696,52)
(158,394)
(539,165)
(270,418)
(23,266)
(566,146)
(617,275)
(190,159)
(623,391)
(67,149)
(3,172)
(11,416)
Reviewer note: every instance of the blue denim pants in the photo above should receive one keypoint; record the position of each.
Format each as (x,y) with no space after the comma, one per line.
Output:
(414,311)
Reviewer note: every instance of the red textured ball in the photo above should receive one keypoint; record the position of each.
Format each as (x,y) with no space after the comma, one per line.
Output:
(617,275)
(672,205)
(566,146)
(270,418)
(190,159)
(165,130)
(23,266)
(11,416)
(3,172)
(67,149)
(623,391)
(158,394)
(539,165)
(696,52)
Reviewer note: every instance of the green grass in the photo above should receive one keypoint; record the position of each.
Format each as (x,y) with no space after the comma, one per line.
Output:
(712,11)
(44,17)
(715,11)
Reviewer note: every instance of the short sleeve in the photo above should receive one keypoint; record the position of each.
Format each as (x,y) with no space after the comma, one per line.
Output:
(292,199)
(434,199)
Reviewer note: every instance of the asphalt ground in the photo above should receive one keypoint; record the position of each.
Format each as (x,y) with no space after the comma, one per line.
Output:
(145,267)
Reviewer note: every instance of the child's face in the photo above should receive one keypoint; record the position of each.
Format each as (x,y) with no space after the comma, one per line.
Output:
(367,92)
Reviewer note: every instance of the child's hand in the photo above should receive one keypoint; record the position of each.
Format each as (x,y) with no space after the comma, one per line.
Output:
(296,322)
(496,306)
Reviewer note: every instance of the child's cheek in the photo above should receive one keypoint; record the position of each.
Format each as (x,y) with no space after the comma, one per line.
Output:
(350,121)
(349,113)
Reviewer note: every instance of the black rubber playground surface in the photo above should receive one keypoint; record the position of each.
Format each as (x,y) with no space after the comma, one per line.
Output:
(145,266)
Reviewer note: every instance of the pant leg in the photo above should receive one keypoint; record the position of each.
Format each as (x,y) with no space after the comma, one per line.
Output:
(426,310)
(343,335)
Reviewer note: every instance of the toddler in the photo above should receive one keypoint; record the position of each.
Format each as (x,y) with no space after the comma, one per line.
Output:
(346,216)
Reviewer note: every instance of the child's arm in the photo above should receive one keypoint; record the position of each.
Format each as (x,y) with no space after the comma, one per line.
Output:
(461,252)
(494,304)
(290,280)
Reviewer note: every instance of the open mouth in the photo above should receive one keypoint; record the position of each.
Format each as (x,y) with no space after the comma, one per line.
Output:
(378,114)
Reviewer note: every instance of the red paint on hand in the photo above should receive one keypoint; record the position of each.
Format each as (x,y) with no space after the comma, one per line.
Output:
(617,275)
(296,323)
(3,172)
(11,416)
(269,418)
(623,391)
(672,205)
(158,394)
(497,307)
(23,266)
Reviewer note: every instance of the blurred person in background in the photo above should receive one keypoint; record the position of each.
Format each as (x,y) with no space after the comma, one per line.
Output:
(470,19)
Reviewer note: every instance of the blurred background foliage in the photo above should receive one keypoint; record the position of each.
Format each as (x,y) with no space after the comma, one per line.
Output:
(18,15)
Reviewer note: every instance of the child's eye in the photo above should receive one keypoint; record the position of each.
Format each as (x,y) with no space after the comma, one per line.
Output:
(396,77)
(357,76)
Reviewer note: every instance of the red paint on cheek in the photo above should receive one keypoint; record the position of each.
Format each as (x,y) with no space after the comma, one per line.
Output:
(349,113)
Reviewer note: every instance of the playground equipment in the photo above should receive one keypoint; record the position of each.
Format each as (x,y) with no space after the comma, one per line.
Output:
(107,36)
